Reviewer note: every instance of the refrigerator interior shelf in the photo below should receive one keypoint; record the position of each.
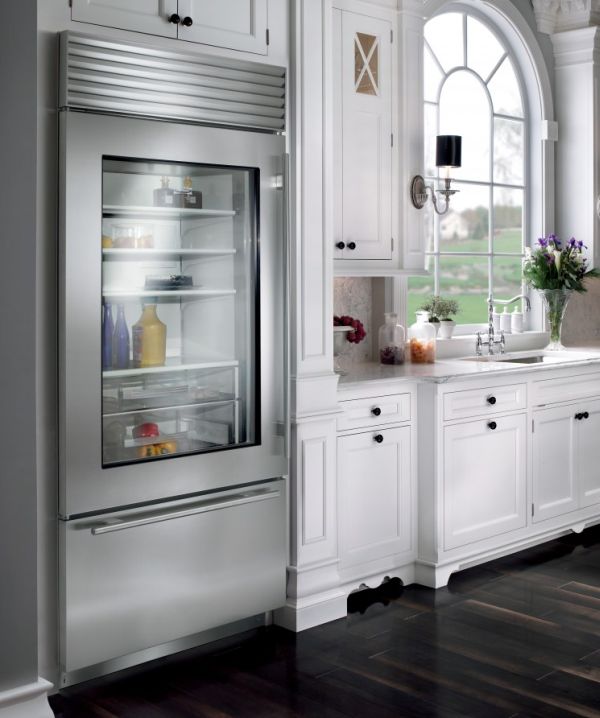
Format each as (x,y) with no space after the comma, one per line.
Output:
(130,253)
(172,365)
(167,292)
(201,403)
(115,210)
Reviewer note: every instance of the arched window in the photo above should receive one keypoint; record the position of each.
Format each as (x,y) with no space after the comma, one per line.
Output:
(472,88)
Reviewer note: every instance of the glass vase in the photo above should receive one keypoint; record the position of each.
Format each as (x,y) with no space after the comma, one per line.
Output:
(555,303)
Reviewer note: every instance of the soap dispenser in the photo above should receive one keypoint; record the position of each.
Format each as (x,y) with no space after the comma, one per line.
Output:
(505,321)
(516,321)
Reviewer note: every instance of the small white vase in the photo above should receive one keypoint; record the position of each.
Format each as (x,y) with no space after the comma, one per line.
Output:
(447,328)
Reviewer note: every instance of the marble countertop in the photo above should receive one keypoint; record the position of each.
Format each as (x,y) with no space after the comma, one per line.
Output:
(445,370)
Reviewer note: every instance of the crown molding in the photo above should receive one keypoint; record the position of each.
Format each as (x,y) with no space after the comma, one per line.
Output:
(560,15)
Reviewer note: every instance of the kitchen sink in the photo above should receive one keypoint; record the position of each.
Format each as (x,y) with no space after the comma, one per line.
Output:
(534,357)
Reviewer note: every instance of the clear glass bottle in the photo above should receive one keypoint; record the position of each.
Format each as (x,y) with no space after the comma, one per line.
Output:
(149,339)
(392,339)
(421,342)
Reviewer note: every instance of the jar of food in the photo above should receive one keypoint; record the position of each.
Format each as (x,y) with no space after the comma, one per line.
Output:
(392,338)
(422,340)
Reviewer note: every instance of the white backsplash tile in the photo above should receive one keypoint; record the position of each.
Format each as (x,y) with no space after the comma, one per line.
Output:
(582,317)
(354,296)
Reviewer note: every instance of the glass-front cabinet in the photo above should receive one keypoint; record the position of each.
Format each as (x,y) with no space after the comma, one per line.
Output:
(179,326)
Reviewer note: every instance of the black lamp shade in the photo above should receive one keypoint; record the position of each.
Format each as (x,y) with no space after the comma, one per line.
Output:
(448,151)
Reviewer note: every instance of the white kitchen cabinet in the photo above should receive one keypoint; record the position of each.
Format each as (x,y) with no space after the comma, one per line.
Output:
(484,479)
(362,118)
(233,24)
(374,494)
(586,457)
(553,450)
(565,465)
(151,16)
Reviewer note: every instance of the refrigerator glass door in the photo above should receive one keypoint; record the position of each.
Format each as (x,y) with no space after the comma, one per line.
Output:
(172,262)
(180,309)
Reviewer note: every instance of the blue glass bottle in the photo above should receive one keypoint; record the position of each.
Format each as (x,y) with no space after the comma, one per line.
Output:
(107,336)
(120,341)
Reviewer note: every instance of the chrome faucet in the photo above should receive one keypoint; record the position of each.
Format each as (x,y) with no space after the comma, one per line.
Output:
(491,341)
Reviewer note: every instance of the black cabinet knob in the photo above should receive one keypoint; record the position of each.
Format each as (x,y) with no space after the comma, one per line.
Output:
(174,18)
(578,417)
(491,400)
(492,425)
(340,245)
(376,411)
(351,245)
(187,21)
(378,438)
(586,415)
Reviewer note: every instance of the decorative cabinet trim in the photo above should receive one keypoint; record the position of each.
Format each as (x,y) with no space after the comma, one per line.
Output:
(559,15)
(314,490)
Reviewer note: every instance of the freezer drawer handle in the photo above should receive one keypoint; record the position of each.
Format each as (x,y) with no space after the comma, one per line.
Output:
(234,500)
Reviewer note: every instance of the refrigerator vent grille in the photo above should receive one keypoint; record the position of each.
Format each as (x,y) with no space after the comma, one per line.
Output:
(130,79)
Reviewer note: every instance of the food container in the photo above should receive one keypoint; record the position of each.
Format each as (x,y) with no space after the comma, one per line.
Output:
(132,236)
(422,340)
(392,339)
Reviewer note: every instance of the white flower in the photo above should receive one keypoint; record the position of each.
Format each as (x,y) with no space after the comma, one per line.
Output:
(527,253)
(557,258)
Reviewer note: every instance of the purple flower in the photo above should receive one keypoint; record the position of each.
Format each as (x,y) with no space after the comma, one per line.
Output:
(543,242)
(572,242)
(549,258)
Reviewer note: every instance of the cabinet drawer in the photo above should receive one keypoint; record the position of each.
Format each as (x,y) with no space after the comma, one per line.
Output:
(565,388)
(374,411)
(484,401)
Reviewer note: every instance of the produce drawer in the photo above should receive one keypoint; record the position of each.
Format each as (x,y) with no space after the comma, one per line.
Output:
(374,411)
(136,579)
(484,401)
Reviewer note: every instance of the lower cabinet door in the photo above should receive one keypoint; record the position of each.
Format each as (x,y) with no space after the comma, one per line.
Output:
(484,479)
(374,494)
(142,577)
(587,468)
(554,473)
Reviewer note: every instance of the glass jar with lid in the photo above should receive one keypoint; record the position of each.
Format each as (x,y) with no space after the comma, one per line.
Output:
(421,337)
(392,338)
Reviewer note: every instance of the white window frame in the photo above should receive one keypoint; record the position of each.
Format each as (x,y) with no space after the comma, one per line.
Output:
(517,36)
(437,252)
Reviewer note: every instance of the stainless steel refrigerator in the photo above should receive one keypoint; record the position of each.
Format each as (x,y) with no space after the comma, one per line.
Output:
(172,349)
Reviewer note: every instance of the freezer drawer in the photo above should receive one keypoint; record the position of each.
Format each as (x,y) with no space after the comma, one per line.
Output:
(140,578)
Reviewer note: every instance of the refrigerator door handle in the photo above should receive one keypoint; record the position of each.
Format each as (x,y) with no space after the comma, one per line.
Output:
(215,505)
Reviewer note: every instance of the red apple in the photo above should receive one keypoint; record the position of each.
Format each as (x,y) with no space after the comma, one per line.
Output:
(142,431)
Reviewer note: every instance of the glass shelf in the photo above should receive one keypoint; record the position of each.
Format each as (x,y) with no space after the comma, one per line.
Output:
(172,365)
(114,253)
(172,407)
(133,293)
(115,210)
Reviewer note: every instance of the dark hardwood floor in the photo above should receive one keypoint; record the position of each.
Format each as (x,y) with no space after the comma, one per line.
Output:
(516,637)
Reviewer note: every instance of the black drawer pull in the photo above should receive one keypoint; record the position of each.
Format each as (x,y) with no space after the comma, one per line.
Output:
(378,438)
(340,245)
(174,18)
(187,21)
(491,400)
(579,417)
(492,425)
(376,411)
(351,245)
(586,414)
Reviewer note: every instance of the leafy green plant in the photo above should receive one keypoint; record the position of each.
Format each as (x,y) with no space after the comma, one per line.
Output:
(440,309)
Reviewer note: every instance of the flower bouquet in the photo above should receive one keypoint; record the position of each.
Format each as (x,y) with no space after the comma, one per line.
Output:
(556,270)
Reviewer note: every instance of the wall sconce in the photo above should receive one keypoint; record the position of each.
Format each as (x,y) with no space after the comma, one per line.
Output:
(448,151)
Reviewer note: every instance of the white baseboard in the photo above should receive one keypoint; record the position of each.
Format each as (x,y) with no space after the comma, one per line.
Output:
(298,614)
(28,701)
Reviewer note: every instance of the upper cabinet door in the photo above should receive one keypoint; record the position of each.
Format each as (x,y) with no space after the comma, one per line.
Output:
(363,137)
(235,24)
(151,16)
